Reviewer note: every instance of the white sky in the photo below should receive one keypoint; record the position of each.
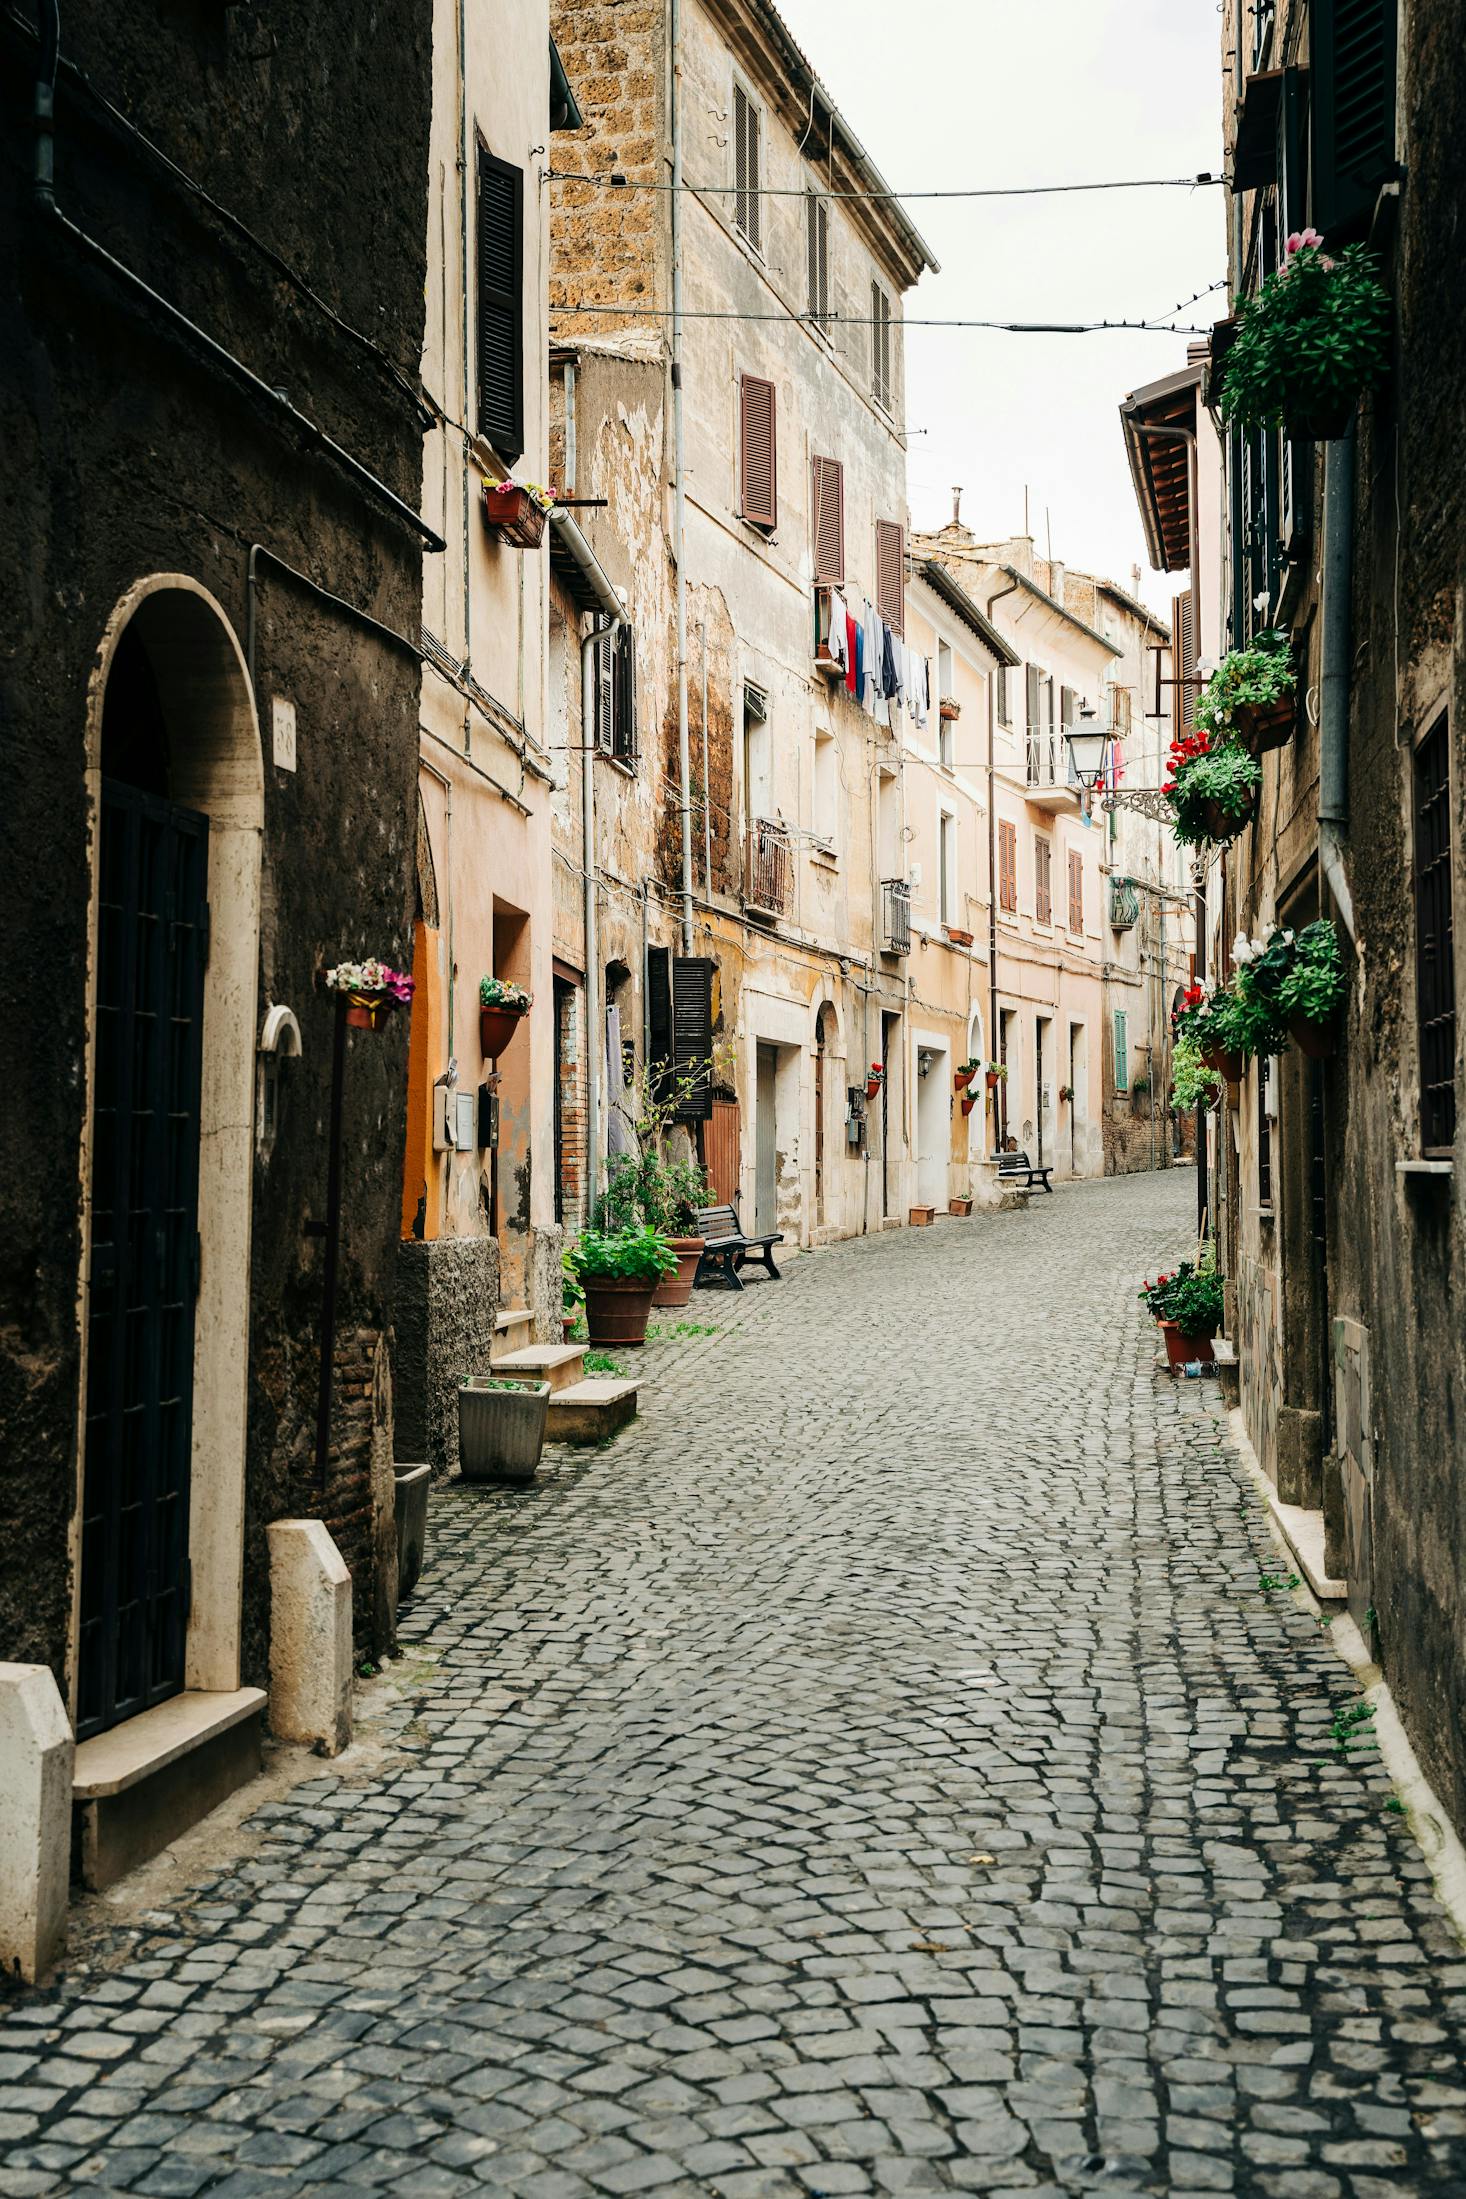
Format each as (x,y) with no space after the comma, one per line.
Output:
(981,92)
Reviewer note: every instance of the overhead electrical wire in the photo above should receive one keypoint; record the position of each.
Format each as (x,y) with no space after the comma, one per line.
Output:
(865,320)
(615,181)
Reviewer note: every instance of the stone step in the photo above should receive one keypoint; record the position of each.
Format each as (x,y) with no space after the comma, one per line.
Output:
(590,1410)
(515,1322)
(561,1365)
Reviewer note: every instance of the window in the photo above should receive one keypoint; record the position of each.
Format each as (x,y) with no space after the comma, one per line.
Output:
(758,451)
(1007,866)
(500,222)
(1435,968)
(1121,719)
(947,852)
(1352,54)
(1264,1134)
(1122,1053)
(1183,663)
(828,501)
(891,574)
(817,246)
(1043,855)
(826,819)
(1005,707)
(615,700)
(747,204)
(880,346)
(1076,892)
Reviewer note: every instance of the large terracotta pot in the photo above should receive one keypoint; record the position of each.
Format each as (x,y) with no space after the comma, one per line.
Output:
(616,1308)
(1316,1040)
(1181,1350)
(1262,726)
(501,1432)
(496,1027)
(675,1290)
(1222,1062)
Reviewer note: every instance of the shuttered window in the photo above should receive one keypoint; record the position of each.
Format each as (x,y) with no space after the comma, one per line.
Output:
(1435,966)
(500,216)
(1122,1053)
(615,698)
(659,1018)
(692,1036)
(1007,866)
(891,573)
(747,205)
(1352,45)
(1031,679)
(1076,893)
(880,345)
(817,243)
(1183,663)
(1264,1134)
(828,500)
(1043,903)
(758,451)
(1005,707)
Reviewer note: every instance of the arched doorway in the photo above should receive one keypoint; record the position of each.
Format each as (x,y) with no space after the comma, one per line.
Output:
(177,800)
(824,1037)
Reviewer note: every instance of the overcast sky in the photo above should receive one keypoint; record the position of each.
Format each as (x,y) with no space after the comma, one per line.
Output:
(1037,91)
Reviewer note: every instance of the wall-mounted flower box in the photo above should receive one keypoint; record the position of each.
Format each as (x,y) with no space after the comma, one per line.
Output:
(502,1008)
(957,936)
(949,708)
(371,991)
(515,513)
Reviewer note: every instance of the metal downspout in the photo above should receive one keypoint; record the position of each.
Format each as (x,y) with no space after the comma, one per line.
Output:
(1333,744)
(993,1055)
(684,767)
(594,1036)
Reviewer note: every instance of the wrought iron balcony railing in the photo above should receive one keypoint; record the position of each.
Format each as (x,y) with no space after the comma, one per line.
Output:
(896,897)
(768,869)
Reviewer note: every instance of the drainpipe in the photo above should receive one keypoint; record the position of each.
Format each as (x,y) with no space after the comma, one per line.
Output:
(684,767)
(571,450)
(998,1095)
(1333,747)
(594,1036)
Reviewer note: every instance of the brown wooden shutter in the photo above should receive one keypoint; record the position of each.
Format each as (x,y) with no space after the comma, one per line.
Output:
(758,439)
(1183,663)
(1076,893)
(891,573)
(692,1035)
(747,205)
(829,520)
(1007,866)
(1043,905)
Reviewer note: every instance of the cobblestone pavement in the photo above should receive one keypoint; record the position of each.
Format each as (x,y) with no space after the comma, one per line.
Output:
(888,1767)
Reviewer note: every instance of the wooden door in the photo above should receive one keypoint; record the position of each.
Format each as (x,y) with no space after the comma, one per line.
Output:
(143,1283)
(766,1163)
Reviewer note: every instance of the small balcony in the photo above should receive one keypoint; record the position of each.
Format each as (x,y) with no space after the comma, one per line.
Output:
(768,870)
(1124,905)
(896,910)
(1050,786)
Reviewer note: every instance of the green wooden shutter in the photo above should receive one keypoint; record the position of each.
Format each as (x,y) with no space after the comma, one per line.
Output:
(692,1035)
(1122,1053)
(500,211)
(1353,55)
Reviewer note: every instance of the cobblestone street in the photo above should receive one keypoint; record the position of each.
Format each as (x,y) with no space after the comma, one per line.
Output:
(897,1764)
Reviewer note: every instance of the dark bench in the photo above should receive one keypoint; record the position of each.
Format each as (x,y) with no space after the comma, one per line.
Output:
(1012,1166)
(725,1249)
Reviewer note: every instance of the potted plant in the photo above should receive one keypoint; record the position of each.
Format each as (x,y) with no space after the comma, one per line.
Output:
(1229,1025)
(963,1075)
(1139,1086)
(1193,1084)
(372,990)
(949,708)
(995,1073)
(967,1103)
(957,936)
(516,511)
(1310,343)
(1188,1307)
(650,1186)
(875,1077)
(572,1297)
(619,1271)
(1066,1092)
(1213,788)
(1252,693)
(1297,976)
(502,1007)
(501,1428)
(681,1188)
(961,1204)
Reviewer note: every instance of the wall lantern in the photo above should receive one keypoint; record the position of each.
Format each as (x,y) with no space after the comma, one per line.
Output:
(279,1041)
(1089,744)
(924,1060)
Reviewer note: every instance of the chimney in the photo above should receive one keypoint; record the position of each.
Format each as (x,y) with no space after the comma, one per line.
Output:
(1135,580)
(957,507)
(1056,579)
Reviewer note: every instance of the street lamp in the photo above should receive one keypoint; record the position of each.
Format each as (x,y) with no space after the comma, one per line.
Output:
(1089,744)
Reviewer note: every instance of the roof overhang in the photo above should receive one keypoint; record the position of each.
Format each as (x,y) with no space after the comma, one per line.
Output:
(1160,465)
(1133,605)
(956,598)
(1052,603)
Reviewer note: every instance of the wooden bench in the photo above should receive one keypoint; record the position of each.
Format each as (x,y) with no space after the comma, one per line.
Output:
(725,1249)
(1012,1166)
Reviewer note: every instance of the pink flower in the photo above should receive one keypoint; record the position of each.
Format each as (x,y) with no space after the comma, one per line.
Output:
(1303,240)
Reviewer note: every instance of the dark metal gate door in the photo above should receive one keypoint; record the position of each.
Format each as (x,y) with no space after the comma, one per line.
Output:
(151,949)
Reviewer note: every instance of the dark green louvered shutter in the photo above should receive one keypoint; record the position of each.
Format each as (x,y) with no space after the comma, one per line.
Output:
(1353,57)
(659,1018)
(692,1035)
(500,305)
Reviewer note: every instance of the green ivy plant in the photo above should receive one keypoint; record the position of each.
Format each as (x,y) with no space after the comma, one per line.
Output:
(1202,774)
(1311,341)
(639,1255)
(1192,1083)
(1256,676)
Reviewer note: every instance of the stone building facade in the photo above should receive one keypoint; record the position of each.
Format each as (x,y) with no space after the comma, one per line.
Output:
(213,565)
(1343,1231)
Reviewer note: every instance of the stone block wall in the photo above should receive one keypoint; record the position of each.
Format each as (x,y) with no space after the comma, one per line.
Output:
(447,1301)
(607,244)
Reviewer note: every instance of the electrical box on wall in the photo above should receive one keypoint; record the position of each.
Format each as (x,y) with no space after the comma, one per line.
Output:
(443,1098)
(488,1115)
(465,1122)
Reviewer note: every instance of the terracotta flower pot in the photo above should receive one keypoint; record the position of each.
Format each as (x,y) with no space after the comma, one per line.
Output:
(496,1027)
(872,1086)
(961,1078)
(1181,1350)
(968,1103)
(957,936)
(922,1217)
(367,1012)
(991,1078)
(1316,1040)
(959,1206)
(675,1290)
(1262,726)
(1222,825)
(1222,1062)
(616,1308)
(514,515)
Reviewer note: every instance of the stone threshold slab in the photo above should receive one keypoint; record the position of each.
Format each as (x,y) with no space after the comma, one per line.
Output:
(113,1761)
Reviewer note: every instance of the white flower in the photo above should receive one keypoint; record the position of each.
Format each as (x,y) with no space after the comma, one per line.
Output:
(1287,939)
(1243,949)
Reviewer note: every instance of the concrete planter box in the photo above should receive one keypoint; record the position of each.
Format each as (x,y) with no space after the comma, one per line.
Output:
(501,1429)
(412,1523)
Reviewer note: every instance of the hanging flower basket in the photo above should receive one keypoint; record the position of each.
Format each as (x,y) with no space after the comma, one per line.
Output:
(371,990)
(502,1008)
(957,936)
(1223,824)
(1317,1040)
(961,1078)
(1263,726)
(969,1101)
(875,1078)
(1310,343)
(993,1076)
(949,709)
(516,512)
(1225,1061)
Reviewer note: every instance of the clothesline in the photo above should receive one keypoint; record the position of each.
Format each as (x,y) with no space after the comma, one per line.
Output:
(878,666)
